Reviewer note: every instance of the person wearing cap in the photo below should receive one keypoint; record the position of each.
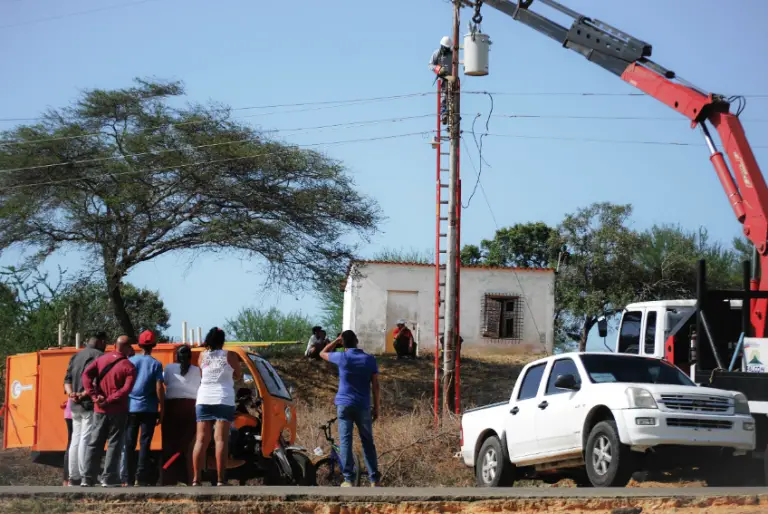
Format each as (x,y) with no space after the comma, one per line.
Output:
(405,346)
(146,404)
(441,65)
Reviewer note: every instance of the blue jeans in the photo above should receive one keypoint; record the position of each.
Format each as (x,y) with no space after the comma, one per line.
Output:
(144,422)
(348,418)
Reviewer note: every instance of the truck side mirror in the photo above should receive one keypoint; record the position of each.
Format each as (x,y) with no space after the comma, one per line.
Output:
(567,382)
(602,327)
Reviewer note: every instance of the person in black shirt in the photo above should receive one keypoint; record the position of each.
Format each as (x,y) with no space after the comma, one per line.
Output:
(82,405)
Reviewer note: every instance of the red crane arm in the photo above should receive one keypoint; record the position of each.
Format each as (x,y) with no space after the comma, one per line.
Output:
(628,58)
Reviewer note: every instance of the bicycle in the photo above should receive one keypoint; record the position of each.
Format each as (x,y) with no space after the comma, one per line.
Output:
(328,468)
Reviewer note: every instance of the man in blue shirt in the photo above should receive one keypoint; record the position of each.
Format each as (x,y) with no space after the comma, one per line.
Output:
(358,371)
(146,409)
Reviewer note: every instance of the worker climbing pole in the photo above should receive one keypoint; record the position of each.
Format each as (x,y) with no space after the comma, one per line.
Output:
(445,63)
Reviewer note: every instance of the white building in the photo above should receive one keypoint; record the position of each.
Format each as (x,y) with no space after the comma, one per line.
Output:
(508,309)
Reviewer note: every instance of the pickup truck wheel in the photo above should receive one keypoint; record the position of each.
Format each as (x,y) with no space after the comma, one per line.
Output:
(609,463)
(492,468)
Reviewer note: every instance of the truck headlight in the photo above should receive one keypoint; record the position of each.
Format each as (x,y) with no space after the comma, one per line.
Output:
(741,405)
(640,398)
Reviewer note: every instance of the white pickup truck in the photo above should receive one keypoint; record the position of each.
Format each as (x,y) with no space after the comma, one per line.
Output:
(609,413)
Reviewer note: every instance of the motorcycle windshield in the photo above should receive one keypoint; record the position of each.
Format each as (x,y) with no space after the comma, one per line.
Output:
(272,380)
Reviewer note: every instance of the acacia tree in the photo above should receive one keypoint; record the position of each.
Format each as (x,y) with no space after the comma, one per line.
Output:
(600,271)
(126,177)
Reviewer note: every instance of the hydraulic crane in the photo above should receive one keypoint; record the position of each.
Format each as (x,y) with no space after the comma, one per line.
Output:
(629,58)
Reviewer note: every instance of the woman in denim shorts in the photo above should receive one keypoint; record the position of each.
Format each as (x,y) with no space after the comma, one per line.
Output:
(215,407)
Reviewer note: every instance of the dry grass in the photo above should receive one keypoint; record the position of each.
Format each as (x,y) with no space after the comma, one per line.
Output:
(411,452)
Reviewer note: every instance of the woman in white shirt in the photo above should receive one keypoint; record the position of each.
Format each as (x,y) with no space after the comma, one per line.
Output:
(182,380)
(215,402)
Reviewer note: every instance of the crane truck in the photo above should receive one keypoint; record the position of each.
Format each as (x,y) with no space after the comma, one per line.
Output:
(704,336)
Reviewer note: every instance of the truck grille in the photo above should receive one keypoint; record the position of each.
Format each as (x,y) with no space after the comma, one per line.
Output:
(715,424)
(694,403)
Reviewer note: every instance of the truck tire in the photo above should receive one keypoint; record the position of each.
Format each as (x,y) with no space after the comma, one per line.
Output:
(609,463)
(492,468)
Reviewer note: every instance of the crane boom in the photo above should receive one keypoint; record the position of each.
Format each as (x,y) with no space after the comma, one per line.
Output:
(629,58)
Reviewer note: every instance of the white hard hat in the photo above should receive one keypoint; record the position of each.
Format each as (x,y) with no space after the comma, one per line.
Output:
(401,321)
(446,42)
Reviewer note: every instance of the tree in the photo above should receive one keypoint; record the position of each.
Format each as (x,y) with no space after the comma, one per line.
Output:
(126,177)
(88,309)
(471,255)
(600,272)
(271,325)
(525,245)
(668,257)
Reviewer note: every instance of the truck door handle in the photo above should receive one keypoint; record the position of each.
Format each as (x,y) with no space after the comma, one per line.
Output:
(543,405)
(514,410)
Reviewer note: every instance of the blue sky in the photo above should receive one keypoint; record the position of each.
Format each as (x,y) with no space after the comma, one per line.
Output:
(247,53)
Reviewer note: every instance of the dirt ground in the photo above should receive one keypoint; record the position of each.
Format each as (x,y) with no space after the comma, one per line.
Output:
(739,505)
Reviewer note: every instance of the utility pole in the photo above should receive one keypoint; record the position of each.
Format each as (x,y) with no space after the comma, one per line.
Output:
(451,257)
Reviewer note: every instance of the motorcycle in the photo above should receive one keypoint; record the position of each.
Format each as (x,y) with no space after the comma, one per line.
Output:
(285,464)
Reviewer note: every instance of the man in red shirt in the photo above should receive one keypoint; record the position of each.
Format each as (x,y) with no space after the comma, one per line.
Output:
(108,380)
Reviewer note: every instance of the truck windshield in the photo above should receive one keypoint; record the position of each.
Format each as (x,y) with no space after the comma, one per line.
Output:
(639,370)
(272,380)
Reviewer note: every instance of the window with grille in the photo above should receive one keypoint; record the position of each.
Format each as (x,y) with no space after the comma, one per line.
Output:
(502,317)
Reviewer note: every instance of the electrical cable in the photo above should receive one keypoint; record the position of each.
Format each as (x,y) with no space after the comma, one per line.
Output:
(158,152)
(479,146)
(325,104)
(612,141)
(78,13)
(514,271)
(301,129)
(197,163)
(343,103)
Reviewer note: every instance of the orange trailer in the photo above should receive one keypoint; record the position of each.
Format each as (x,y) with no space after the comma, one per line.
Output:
(35,400)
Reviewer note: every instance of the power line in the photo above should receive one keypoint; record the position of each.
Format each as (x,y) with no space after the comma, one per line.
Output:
(198,163)
(480,184)
(211,145)
(514,271)
(607,118)
(183,123)
(331,104)
(574,93)
(324,104)
(77,13)
(599,140)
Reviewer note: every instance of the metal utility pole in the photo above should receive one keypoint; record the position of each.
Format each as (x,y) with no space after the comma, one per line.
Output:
(451,260)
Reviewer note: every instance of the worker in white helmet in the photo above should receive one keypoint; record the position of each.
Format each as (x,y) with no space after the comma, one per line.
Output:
(404,344)
(441,65)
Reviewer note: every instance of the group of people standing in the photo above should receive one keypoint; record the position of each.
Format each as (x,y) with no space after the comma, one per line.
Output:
(118,398)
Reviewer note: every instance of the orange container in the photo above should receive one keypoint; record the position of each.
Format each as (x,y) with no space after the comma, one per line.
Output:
(35,398)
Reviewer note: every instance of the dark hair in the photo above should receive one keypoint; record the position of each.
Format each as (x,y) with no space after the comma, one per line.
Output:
(316,329)
(184,358)
(349,339)
(215,339)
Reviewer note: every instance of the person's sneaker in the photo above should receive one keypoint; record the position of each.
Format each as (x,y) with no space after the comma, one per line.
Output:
(85,483)
(74,483)
(104,483)
(346,484)
(375,484)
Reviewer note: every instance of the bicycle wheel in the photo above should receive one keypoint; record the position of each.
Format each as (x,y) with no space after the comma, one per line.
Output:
(328,472)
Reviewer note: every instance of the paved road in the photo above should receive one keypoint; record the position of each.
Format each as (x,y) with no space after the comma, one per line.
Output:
(384,494)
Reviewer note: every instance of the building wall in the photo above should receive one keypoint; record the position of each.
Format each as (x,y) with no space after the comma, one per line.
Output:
(367,292)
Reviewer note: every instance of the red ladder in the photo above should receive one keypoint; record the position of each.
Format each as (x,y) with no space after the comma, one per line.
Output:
(442,178)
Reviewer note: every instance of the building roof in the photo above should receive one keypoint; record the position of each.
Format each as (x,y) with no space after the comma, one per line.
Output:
(366,262)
